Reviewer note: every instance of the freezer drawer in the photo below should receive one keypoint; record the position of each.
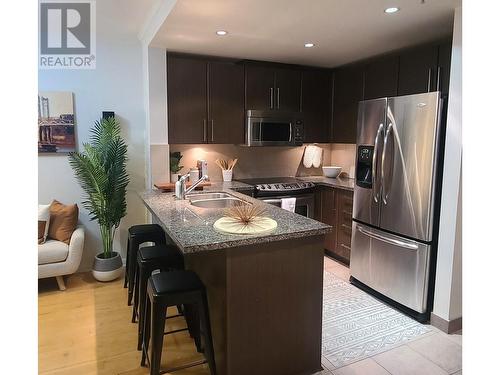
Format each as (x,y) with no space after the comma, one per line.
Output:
(393,266)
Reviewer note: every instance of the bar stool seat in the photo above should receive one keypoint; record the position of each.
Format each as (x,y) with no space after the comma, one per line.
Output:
(137,235)
(143,229)
(170,289)
(150,258)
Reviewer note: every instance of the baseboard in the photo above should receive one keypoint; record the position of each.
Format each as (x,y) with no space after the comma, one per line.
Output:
(447,326)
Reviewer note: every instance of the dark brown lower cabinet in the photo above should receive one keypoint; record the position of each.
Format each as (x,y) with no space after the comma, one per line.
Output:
(334,207)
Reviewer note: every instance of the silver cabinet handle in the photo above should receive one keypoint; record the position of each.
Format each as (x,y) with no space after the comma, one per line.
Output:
(374,164)
(271,96)
(384,190)
(212,122)
(392,241)
(278,97)
(204,130)
(429,80)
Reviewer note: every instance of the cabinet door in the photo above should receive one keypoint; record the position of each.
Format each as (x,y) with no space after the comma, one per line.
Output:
(259,87)
(344,224)
(418,70)
(187,99)
(288,85)
(226,103)
(348,91)
(317,105)
(444,64)
(329,216)
(381,77)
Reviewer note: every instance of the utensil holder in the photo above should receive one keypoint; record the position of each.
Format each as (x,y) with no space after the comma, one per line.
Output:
(227,175)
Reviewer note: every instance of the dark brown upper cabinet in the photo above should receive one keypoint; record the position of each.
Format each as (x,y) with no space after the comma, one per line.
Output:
(347,92)
(187,99)
(226,102)
(317,105)
(444,65)
(272,87)
(205,100)
(418,70)
(288,86)
(381,77)
(259,87)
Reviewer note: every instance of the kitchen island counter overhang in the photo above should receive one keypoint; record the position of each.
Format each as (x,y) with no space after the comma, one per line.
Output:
(265,292)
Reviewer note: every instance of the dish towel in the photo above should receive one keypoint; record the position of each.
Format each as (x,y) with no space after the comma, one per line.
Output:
(312,156)
(288,204)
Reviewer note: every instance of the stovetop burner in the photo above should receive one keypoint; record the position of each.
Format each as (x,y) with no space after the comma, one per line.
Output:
(278,185)
(269,180)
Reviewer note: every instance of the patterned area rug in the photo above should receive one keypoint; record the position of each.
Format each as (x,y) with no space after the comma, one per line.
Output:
(357,326)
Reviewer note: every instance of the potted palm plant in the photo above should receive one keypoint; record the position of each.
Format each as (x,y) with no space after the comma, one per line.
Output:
(175,167)
(101,172)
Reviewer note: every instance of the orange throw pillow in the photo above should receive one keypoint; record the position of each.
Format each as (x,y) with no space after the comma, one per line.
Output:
(63,220)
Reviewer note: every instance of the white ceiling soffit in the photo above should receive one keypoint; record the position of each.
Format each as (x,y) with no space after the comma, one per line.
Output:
(343,31)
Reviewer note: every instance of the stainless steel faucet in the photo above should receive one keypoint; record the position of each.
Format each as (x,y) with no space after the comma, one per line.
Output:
(180,186)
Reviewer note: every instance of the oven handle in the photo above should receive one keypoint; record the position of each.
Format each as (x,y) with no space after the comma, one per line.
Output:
(271,200)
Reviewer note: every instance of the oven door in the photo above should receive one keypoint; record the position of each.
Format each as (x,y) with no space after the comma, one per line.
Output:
(303,206)
(264,131)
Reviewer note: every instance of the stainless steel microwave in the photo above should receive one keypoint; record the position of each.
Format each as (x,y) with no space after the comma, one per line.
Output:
(274,128)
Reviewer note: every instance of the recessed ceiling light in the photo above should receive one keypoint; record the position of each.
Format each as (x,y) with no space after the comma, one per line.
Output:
(391,10)
(308,45)
(221,32)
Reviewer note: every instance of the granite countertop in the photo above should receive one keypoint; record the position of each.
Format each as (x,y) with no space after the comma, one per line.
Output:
(340,183)
(191,228)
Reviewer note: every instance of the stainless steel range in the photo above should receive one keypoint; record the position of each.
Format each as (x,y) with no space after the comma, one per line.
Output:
(273,190)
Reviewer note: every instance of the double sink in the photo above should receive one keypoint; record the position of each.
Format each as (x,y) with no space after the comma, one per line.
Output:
(214,200)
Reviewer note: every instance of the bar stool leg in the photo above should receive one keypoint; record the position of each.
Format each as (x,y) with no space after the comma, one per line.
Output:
(132,265)
(157,329)
(125,282)
(146,332)
(136,295)
(143,279)
(205,324)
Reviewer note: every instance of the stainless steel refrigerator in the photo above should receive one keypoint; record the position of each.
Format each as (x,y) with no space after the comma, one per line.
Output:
(395,197)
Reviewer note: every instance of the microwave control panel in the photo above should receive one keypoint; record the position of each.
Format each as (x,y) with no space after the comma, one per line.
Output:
(298,132)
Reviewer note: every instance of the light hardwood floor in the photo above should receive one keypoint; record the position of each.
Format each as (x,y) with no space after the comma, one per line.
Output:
(87,329)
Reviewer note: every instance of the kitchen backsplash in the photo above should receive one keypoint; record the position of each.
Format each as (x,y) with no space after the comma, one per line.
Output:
(344,155)
(252,161)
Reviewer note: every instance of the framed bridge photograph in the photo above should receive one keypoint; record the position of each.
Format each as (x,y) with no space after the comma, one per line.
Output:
(56,122)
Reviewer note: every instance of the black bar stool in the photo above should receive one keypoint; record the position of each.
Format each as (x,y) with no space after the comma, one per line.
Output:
(170,289)
(138,234)
(150,258)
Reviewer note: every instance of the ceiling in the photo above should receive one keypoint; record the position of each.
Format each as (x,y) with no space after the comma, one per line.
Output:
(275,30)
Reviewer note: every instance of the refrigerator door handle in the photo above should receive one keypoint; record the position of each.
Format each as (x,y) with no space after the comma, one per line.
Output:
(374,164)
(407,245)
(385,193)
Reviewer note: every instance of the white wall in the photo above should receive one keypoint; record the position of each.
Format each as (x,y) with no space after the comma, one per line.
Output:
(116,85)
(159,168)
(448,292)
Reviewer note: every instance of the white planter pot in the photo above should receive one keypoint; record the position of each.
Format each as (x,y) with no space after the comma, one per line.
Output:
(107,269)
(174,177)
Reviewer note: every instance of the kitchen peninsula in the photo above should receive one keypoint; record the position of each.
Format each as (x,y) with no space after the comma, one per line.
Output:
(264,291)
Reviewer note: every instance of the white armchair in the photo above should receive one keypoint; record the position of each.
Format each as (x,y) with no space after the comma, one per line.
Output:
(56,258)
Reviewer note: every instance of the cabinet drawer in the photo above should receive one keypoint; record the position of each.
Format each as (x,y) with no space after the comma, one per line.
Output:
(344,233)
